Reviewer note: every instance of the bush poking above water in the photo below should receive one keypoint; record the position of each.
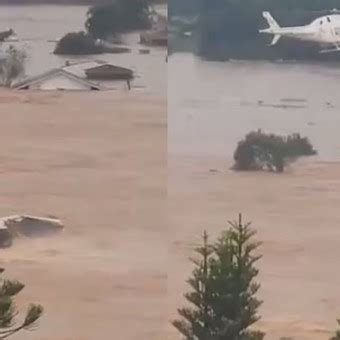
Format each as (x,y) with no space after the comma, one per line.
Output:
(12,66)
(77,43)
(261,151)
(80,43)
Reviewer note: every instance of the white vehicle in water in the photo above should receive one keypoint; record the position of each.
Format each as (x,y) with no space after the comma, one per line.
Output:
(324,31)
(26,225)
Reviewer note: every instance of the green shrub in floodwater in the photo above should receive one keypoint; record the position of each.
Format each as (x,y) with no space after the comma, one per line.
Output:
(261,151)
(77,43)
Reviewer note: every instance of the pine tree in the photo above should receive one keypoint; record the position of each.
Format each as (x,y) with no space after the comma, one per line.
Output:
(233,272)
(195,323)
(224,296)
(8,312)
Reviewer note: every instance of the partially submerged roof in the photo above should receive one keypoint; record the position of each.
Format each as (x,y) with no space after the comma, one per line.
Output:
(110,67)
(104,70)
(108,71)
(55,74)
(79,68)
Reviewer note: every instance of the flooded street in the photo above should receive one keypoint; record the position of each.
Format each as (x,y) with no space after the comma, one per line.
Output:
(213,105)
(37,28)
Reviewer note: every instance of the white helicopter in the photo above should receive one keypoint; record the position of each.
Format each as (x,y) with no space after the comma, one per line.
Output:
(324,31)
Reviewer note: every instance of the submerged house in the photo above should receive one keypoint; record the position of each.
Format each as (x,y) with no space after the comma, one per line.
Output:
(81,76)
(57,79)
(109,72)
(114,77)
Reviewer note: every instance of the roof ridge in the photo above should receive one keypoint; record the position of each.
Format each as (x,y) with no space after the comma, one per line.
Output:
(45,75)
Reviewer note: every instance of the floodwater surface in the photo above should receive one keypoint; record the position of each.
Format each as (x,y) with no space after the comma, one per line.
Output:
(213,105)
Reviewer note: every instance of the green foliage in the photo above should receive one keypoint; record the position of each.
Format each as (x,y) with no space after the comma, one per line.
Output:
(77,43)
(8,312)
(118,16)
(12,66)
(223,296)
(261,151)
(195,322)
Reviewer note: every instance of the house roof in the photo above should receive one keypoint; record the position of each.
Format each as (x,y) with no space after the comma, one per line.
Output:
(52,73)
(79,68)
(109,67)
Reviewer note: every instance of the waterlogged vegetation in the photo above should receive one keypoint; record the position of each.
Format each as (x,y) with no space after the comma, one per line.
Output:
(106,22)
(261,151)
(77,43)
(117,17)
(12,66)
(80,43)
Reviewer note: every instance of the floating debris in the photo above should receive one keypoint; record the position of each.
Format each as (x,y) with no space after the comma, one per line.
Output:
(29,226)
(261,103)
(294,100)
(144,51)
(282,106)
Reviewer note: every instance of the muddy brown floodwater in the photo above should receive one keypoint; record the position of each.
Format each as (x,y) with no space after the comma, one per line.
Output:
(98,162)
(211,107)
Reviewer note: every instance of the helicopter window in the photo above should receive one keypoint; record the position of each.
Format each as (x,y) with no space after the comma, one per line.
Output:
(321,22)
(328,19)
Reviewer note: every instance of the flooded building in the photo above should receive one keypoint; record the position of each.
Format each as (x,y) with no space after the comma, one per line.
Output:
(57,79)
(109,72)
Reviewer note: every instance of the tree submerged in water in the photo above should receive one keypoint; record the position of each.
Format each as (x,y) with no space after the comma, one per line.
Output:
(118,16)
(224,289)
(12,66)
(77,43)
(8,312)
(261,151)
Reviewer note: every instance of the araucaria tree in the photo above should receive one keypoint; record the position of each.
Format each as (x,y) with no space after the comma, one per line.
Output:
(195,322)
(223,297)
(8,312)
